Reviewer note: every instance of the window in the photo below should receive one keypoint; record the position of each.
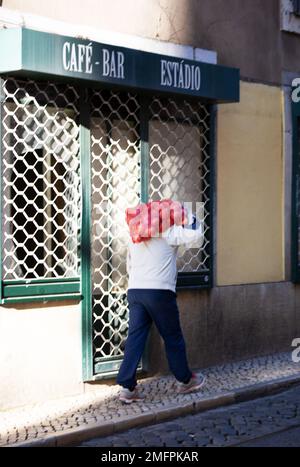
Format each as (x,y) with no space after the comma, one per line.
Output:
(132,148)
(296,7)
(179,146)
(141,149)
(40,190)
(290,16)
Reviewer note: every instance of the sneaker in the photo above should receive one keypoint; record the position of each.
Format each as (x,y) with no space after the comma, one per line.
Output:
(128,397)
(195,383)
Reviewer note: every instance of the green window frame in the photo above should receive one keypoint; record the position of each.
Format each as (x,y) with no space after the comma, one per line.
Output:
(107,366)
(295,202)
(177,116)
(48,223)
(191,127)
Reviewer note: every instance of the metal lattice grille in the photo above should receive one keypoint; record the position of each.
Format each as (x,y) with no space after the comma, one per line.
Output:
(179,168)
(115,148)
(40,180)
(179,164)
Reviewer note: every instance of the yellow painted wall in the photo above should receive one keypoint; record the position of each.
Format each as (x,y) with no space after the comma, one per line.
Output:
(250,188)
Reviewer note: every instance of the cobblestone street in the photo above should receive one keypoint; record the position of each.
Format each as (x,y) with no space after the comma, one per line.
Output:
(100,413)
(234,425)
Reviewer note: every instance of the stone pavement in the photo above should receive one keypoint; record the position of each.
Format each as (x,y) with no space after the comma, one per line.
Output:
(100,413)
(268,421)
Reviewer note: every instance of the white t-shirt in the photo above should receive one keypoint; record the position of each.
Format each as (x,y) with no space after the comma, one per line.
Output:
(152,264)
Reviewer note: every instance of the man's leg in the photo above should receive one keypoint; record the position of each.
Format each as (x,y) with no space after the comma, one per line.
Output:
(138,329)
(165,314)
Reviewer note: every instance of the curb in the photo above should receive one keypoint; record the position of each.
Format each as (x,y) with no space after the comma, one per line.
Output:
(77,435)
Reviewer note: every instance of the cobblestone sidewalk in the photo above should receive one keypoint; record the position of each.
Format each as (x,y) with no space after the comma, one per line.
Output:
(237,425)
(100,413)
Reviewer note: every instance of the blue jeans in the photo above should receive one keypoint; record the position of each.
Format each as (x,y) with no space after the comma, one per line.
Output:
(160,306)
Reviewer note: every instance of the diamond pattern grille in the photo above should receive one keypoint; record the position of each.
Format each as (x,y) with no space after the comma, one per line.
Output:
(179,164)
(41,187)
(115,148)
(40,175)
(179,168)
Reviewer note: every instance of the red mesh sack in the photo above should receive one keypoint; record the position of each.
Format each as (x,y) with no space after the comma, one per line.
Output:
(148,220)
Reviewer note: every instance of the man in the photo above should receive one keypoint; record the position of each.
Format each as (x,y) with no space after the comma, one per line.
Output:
(151,265)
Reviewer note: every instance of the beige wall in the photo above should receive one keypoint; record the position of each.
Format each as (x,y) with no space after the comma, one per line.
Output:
(167,19)
(250,188)
(40,353)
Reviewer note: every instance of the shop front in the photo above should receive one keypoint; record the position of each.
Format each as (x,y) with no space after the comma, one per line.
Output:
(88,129)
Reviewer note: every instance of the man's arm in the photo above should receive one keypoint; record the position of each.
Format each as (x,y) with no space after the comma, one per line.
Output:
(190,236)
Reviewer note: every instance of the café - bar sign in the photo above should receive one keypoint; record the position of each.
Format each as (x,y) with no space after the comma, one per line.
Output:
(32,53)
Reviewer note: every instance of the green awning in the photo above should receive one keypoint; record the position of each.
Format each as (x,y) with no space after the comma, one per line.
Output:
(42,55)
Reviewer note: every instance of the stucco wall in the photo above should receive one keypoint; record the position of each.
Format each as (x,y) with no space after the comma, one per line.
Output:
(233,322)
(40,353)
